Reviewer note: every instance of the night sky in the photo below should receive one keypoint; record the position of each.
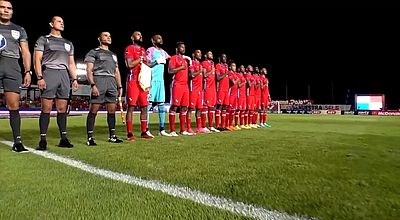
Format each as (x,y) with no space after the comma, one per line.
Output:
(336,52)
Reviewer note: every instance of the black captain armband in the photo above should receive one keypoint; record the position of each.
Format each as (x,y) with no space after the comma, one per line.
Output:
(28,72)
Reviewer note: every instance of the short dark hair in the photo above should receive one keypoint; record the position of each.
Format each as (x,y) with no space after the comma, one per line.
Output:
(179,43)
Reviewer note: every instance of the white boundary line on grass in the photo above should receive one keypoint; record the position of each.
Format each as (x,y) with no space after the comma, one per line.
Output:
(176,191)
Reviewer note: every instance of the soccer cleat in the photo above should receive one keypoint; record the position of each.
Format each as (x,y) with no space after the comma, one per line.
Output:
(130,137)
(214,129)
(232,128)
(268,125)
(206,130)
(90,142)
(164,133)
(114,139)
(174,134)
(186,133)
(243,126)
(202,130)
(150,134)
(19,148)
(191,131)
(65,143)
(238,127)
(42,145)
(146,136)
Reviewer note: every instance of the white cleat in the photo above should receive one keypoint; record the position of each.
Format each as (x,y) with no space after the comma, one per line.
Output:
(173,134)
(206,130)
(149,134)
(214,129)
(164,133)
(186,133)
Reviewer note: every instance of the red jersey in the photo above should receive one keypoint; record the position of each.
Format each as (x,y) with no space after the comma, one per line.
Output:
(265,83)
(223,84)
(257,80)
(242,90)
(196,83)
(233,90)
(134,52)
(181,77)
(209,81)
(250,89)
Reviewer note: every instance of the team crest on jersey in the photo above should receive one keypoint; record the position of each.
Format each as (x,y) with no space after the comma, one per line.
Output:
(15,34)
(3,42)
(114,58)
(67,47)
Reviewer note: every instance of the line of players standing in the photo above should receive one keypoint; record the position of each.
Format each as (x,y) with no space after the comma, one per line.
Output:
(219,92)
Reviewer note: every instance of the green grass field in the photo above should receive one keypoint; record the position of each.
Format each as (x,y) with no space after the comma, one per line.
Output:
(328,167)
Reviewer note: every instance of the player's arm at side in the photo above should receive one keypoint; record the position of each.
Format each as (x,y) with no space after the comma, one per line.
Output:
(26,60)
(72,72)
(118,80)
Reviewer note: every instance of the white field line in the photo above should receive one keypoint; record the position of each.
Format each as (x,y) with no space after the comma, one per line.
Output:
(176,191)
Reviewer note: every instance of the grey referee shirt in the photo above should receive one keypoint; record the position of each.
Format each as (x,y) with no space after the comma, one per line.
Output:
(104,62)
(10,37)
(56,51)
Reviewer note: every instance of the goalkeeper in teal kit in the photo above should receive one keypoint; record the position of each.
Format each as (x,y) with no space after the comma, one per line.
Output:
(157,58)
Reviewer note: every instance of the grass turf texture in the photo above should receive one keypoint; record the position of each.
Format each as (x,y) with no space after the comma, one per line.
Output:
(329,167)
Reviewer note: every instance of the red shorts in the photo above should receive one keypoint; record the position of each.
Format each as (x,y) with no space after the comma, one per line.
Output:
(135,94)
(250,103)
(233,102)
(196,99)
(209,98)
(257,102)
(242,103)
(265,103)
(180,95)
(223,98)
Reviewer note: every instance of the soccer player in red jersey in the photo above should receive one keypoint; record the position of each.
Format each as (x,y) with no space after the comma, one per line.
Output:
(210,92)
(265,98)
(178,67)
(242,94)
(135,54)
(251,92)
(233,97)
(221,71)
(195,92)
(257,97)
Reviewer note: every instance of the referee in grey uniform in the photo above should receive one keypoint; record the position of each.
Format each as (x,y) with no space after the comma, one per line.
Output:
(54,65)
(105,79)
(13,38)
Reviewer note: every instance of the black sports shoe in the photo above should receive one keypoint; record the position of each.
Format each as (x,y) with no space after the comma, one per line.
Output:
(114,139)
(19,148)
(65,143)
(42,145)
(90,142)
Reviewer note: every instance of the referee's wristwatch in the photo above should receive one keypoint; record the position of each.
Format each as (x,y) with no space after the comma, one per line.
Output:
(28,71)
(39,78)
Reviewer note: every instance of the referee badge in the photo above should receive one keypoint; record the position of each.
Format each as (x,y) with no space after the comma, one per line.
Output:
(115,58)
(3,42)
(67,47)
(15,34)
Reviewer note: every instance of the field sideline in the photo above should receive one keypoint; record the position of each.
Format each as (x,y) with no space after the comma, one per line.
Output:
(328,167)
